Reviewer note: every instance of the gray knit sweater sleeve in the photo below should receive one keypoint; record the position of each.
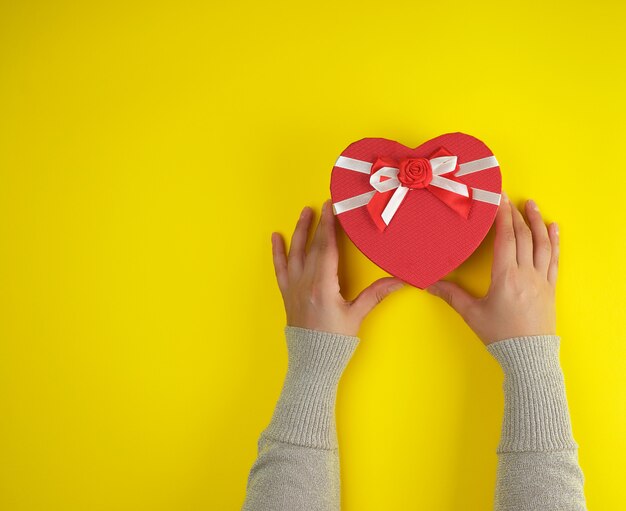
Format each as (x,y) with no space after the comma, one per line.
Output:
(537,456)
(297,466)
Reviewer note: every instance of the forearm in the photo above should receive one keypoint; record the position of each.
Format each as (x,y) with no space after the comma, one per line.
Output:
(298,463)
(537,456)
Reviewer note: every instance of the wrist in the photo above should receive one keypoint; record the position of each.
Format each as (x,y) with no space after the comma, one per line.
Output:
(320,354)
(305,412)
(527,355)
(536,415)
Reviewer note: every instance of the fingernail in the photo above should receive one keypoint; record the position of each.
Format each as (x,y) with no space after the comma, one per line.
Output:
(304,211)
(505,196)
(396,286)
(556,228)
(432,290)
(533,204)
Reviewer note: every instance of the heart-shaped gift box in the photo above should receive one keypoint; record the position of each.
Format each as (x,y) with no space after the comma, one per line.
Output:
(417,213)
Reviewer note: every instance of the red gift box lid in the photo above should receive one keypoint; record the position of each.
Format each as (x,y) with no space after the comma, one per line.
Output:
(417,213)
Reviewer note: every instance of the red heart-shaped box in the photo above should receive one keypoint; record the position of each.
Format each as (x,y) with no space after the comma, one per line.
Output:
(426,238)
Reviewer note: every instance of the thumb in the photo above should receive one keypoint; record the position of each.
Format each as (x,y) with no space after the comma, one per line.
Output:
(373,294)
(453,294)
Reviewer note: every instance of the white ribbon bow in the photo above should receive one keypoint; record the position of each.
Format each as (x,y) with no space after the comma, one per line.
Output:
(440,165)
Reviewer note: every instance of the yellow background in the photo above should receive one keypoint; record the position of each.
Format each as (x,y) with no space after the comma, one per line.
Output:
(148,150)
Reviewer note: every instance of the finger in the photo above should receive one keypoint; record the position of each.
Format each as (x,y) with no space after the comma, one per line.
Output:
(457,297)
(553,267)
(327,256)
(373,294)
(523,239)
(280,261)
(323,245)
(504,244)
(297,247)
(542,247)
(311,255)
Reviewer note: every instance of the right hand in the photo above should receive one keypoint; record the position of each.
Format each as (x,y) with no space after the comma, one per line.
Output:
(521,298)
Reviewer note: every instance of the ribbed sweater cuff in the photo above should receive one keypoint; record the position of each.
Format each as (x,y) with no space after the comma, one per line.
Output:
(305,412)
(536,415)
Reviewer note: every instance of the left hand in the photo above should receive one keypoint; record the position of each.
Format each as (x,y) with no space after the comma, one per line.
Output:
(521,298)
(309,284)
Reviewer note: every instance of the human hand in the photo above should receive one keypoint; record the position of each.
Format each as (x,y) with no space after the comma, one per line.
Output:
(309,284)
(521,298)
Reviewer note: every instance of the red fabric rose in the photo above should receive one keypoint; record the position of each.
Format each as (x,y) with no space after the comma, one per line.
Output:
(415,173)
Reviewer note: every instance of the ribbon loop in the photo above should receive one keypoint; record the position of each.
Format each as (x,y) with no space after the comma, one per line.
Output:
(389,184)
(443,164)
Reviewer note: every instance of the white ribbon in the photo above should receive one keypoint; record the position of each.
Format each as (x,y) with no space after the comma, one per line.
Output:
(440,165)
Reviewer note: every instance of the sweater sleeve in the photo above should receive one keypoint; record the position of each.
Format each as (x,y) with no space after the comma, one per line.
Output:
(297,465)
(537,455)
